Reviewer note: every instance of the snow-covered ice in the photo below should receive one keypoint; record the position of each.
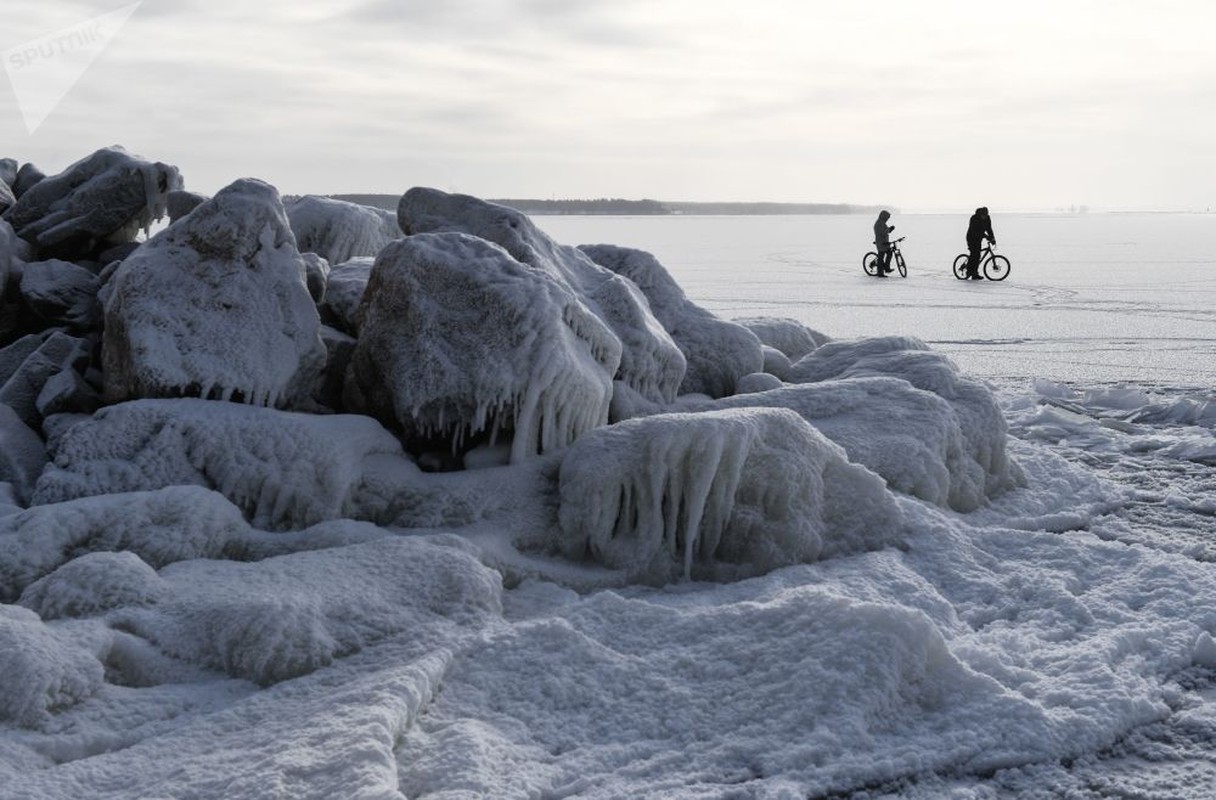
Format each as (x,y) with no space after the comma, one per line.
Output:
(911,560)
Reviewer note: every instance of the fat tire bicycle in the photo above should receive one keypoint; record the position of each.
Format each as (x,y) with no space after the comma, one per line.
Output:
(995,268)
(870,261)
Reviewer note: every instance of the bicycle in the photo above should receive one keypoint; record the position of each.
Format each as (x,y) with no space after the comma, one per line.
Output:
(996,268)
(869,261)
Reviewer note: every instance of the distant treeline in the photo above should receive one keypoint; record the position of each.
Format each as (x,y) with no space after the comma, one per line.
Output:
(616,205)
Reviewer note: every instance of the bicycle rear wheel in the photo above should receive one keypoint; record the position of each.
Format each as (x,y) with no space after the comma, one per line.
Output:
(870,263)
(996,268)
(901,265)
(960,267)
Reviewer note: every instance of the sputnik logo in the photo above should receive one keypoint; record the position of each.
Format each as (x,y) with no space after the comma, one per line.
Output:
(43,71)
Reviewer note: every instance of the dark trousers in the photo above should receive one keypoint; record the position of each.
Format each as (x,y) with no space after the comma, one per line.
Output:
(884,260)
(973,258)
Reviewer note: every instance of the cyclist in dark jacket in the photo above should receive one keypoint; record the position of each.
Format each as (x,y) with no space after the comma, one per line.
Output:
(882,239)
(978,228)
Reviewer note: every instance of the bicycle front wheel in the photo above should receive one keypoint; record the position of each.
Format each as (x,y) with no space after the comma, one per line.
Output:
(996,268)
(901,265)
(870,263)
(960,267)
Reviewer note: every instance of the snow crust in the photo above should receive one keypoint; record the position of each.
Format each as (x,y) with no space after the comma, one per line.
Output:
(282,469)
(651,363)
(338,230)
(43,674)
(92,583)
(660,496)
(459,340)
(215,305)
(718,352)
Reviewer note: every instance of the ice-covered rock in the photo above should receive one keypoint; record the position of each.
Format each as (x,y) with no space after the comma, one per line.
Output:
(651,362)
(316,271)
(215,306)
(15,354)
(912,438)
(776,363)
(161,527)
(339,231)
(718,352)
(42,673)
(180,202)
(980,419)
(104,198)
(94,583)
(758,382)
(286,616)
(344,287)
(22,454)
(283,469)
(66,392)
(62,293)
(54,354)
(7,200)
(27,177)
(8,171)
(459,341)
(8,253)
(789,336)
(676,494)
(339,349)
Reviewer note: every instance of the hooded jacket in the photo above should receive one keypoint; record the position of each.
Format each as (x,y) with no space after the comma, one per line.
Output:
(882,231)
(979,227)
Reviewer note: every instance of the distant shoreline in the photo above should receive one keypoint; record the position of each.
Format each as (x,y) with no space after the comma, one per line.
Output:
(617,206)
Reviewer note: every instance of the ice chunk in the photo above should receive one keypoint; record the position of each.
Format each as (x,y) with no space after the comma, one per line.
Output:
(41,673)
(458,341)
(22,454)
(215,306)
(339,231)
(286,616)
(93,583)
(344,287)
(62,293)
(651,364)
(673,494)
(180,522)
(979,416)
(283,469)
(1121,397)
(104,198)
(718,352)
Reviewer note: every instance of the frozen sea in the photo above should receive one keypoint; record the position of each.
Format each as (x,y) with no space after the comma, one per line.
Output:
(1059,642)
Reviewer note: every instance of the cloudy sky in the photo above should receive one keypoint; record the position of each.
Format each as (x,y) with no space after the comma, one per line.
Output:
(927,105)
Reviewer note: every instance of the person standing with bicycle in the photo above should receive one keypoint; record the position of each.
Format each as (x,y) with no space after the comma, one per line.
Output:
(979,228)
(882,238)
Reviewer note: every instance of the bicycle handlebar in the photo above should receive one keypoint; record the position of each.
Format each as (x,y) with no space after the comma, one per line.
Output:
(894,241)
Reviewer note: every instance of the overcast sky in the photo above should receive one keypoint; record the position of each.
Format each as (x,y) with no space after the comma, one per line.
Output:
(926,105)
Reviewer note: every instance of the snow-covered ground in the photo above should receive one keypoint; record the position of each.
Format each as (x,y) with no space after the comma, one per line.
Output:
(1058,641)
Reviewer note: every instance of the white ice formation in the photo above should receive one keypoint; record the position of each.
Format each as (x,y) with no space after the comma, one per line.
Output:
(93,583)
(215,306)
(980,419)
(458,340)
(789,336)
(339,231)
(286,616)
(284,470)
(42,673)
(718,352)
(104,198)
(651,363)
(680,494)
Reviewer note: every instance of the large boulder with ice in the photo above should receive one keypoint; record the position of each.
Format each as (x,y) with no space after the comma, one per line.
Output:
(283,469)
(8,171)
(718,352)
(981,422)
(912,438)
(651,362)
(44,358)
(789,336)
(7,199)
(161,527)
(62,293)
(22,454)
(42,672)
(215,306)
(27,178)
(286,616)
(103,199)
(339,231)
(460,342)
(683,494)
